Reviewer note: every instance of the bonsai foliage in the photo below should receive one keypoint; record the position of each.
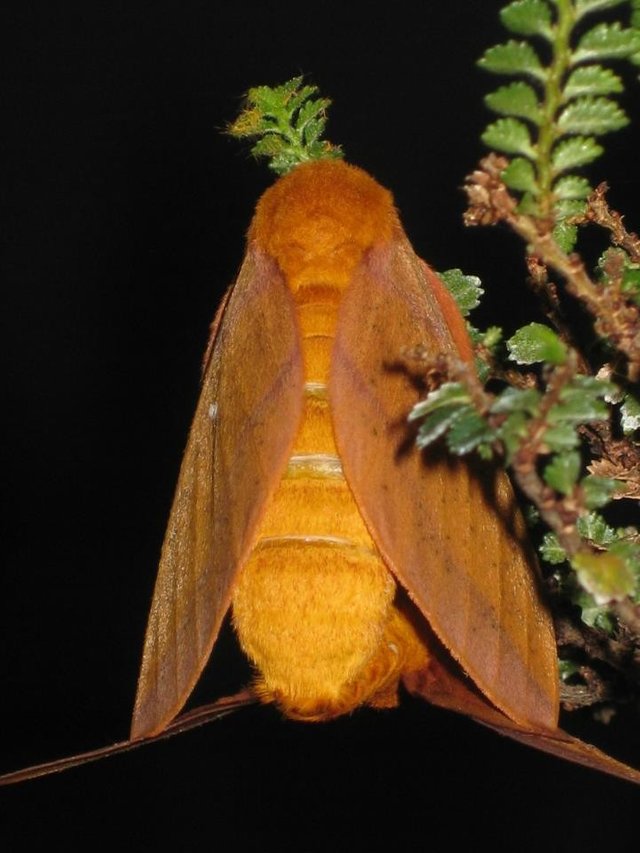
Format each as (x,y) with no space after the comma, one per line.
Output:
(562,404)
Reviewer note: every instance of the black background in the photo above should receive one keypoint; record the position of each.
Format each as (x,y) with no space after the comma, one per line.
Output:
(124,214)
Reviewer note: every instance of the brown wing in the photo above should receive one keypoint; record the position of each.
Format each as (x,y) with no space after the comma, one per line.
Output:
(239,444)
(440,686)
(448,529)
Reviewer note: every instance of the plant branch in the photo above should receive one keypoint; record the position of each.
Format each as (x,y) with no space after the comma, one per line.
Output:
(615,317)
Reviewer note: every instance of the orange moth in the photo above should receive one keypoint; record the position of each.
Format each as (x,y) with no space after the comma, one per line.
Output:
(352,563)
(301,502)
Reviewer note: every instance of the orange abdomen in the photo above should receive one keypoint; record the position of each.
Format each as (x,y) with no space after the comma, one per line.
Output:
(313,606)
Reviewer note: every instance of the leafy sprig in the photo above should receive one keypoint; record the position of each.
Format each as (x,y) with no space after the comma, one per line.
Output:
(551,119)
(552,115)
(288,122)
(537,431)
(556,416)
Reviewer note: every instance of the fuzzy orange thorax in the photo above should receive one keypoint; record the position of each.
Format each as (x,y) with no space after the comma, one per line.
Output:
(319,219)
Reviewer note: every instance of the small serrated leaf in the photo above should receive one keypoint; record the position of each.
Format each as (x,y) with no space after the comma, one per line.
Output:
(572,187)
(592,115)
(607,41)
(513,57)
(560,437)
(527,18)
(516,400)
(509,135)
(562,472)
(512,432)
(516,99)
(585,7)
(467,431)
(595,385)
(566,207)
(449,393)
(436,424)
(465,289)
(491,336)
(596,617)
(574,152)
(592,526)
(598,491)
(591,80)
(578,410)
(520,175)
(535,343)
(551,550)
(566,236)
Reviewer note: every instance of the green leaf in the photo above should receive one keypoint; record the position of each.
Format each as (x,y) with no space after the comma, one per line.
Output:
(509,135)
(562,472)
(551,550)
(566,236)
(566,207)
(592,115)
(449,393)
(560,437)
(572,186)
(516,400)
(593,527)
(437,423)
(528,205)
(592,615)
(593,385)
(630,414)
(491,336)
(571,153)
(467,432)
(535,343)
(591,80)
(520,175)
(607,41)
(465,289)
(578,409)
(515,99)
(585,7)
(527,18)
(512,432)
(598,491)
(606,576)
(513,58)
(580,402)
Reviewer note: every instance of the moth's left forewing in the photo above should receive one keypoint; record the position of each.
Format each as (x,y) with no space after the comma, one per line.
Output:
(448,529)
(240,440)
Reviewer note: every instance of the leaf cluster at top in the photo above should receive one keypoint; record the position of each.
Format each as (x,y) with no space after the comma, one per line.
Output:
(288,122)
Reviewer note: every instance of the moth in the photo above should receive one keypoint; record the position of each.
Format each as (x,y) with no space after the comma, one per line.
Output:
(353,565)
